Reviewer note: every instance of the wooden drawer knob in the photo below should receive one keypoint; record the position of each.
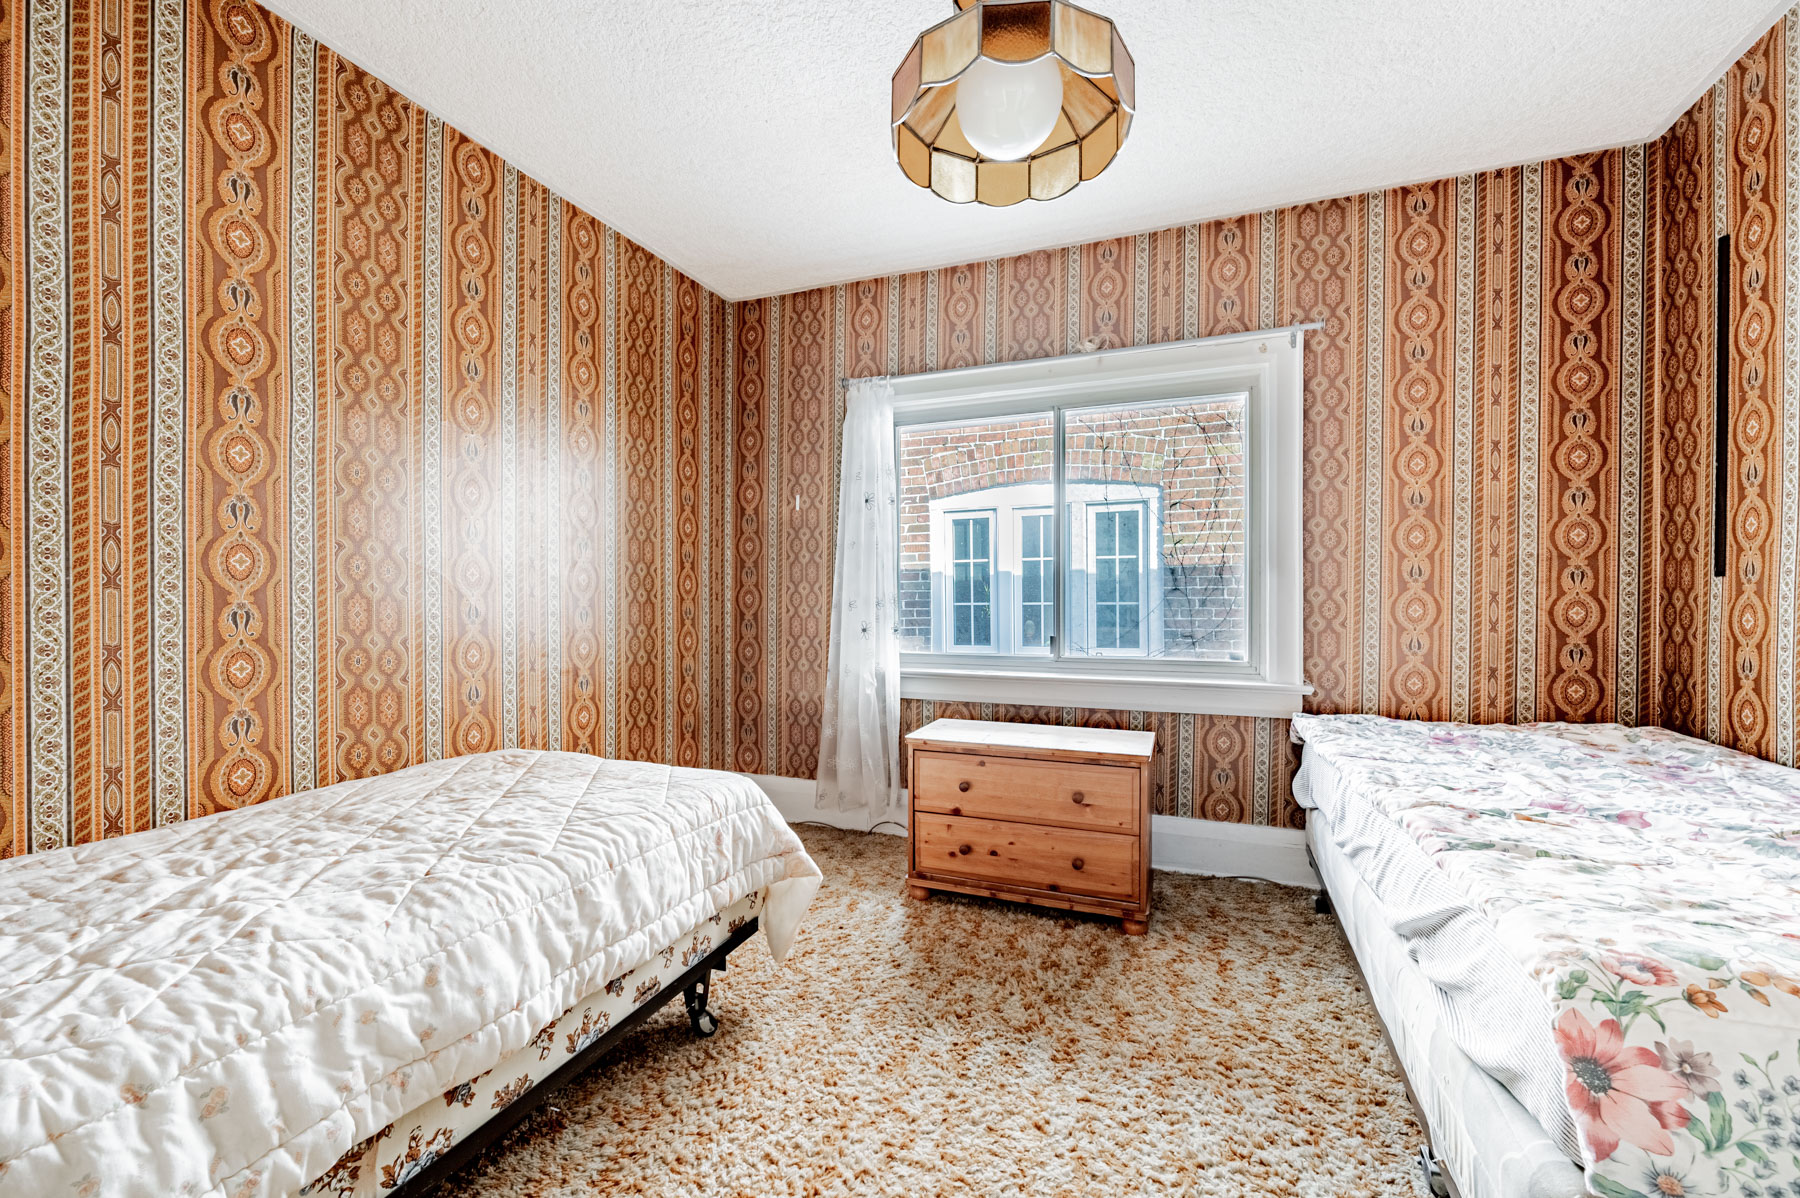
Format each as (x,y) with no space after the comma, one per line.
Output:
(1078,863)
(965,850)
(1080,798)
(963,786)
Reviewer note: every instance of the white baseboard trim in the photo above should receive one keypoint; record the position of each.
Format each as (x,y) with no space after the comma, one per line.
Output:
(795,798)
(1187,846)
(1204,846)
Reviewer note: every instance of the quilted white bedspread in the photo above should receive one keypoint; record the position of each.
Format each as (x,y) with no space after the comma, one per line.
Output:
(224,1006)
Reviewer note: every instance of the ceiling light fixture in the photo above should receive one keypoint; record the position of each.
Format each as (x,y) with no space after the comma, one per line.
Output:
(1011,100)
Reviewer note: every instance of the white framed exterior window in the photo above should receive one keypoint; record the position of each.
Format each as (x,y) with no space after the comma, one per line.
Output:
(1037,577)
(969,598)
(1119,529)
(1118,574)
(994,570)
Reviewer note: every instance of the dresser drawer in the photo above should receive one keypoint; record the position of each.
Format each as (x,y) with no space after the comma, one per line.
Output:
(1070,794)
(1065,860)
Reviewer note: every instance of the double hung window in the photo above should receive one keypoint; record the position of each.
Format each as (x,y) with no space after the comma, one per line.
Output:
(1116,529)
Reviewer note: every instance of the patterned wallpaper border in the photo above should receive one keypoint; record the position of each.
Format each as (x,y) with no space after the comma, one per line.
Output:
(321,422)
(1728,644)
(1480,489)
(335,443)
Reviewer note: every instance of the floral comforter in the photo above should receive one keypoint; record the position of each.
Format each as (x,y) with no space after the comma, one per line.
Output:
(1650,883)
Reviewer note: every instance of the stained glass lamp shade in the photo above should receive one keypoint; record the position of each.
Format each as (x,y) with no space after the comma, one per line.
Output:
(1011,100)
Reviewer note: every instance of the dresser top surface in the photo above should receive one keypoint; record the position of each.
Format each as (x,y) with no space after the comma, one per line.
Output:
(1099,742)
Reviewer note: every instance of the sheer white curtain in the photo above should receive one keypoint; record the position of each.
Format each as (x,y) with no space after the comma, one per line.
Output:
(859,747)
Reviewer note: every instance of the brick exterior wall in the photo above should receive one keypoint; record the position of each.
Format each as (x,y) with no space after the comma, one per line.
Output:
(1190,453)
(942,460)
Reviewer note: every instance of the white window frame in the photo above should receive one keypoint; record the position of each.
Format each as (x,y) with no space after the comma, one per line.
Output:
(1146,548)
(943,593)
(1002,504)
(1266,368)
(1016,526)
(1005,504)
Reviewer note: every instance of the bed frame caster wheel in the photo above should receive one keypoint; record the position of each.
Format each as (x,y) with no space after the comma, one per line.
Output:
(1434,1174)
(695,997)
(1322,903)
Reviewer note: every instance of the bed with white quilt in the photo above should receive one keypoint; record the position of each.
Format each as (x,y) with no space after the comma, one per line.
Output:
(1585,942)
(327,993)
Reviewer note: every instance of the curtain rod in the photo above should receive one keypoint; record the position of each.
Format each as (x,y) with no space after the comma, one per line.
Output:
(1291,329)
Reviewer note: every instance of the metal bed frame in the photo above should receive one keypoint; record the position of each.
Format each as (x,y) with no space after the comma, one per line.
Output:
(695,988)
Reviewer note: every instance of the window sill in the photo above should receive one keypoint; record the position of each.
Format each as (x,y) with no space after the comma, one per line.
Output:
(1122,690)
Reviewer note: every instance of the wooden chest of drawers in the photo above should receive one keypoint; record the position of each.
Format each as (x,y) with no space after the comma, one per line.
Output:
(1034,813)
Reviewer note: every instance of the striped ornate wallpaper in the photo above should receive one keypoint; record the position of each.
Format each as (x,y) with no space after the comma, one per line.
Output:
(1728,645)
(319,417)
(334,443)
(1478,497)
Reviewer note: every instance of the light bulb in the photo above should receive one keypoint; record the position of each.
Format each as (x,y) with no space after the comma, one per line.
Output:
(1007,109)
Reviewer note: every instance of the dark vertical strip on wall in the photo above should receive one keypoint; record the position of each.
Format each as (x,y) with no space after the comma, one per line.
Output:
(1721,405)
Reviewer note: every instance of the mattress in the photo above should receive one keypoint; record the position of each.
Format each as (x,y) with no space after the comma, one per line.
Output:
(1647,883)
(1490,1144)
(1496,1015)
(228,1005)
(410,1144)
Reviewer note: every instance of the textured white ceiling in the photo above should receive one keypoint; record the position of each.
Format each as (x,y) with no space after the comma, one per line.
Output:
(746,141)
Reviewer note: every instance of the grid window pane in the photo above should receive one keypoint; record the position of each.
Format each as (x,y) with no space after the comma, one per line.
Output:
(1158,560)
(1154,532)
(1000,466)
(970,598)
(1117,565)
(1036,590)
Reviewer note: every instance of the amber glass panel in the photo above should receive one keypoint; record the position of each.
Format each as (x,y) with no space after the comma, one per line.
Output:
(933,109)
(1083,39)
(1016,32)
(1002,183)
(1054,173)
(951,46)
(906,83)
(1098,147)
(914,155)
(953,177)
(1062,135)
(951,138)
(1084,103)
(1125,71)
